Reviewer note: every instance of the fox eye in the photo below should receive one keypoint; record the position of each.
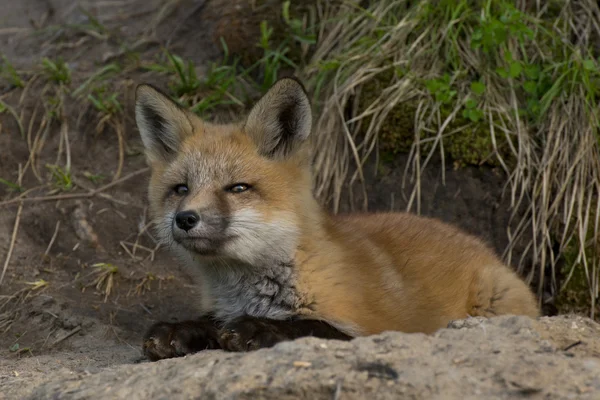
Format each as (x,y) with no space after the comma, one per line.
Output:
(237,188)
(181,189)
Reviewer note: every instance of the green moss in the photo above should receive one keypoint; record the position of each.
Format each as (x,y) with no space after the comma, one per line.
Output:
(575,297)
(471,145)
(396,134)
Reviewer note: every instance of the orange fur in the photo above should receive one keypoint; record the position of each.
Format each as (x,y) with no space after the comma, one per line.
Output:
(364,273)
(396,271)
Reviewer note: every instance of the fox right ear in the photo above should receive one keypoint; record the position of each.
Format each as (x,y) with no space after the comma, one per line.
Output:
(281,120)
(163,124)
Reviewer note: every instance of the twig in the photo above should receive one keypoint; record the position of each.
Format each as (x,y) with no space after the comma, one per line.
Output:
(117,126)
(53,239)
(16,117)
(72,196)
(127,250)
(569,347)
(47,337)
(137,246)
(15,230)
(11,31)
(12,242)
(145,309)
(66,336)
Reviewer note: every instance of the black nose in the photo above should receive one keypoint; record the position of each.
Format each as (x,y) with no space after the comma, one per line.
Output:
(186,220)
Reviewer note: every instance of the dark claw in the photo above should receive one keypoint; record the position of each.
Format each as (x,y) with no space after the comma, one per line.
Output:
(250,333)
(168,340)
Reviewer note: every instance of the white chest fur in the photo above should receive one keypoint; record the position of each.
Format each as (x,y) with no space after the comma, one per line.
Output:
(260,292)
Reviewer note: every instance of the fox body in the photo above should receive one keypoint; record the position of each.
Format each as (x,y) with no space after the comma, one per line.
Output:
(235,202)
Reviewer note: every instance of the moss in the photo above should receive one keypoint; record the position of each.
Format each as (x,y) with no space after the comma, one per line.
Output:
(575,297)
(472,145)
(396,134)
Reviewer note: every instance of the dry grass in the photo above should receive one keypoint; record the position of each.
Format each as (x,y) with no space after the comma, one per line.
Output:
(535,90)
(103,278)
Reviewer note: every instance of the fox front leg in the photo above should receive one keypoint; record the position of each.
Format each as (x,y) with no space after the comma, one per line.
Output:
(176,339)
(250,333)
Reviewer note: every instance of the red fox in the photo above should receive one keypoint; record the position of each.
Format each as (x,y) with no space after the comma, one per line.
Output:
(235,203)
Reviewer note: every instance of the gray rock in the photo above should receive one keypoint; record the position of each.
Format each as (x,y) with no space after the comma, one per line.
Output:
(499,358)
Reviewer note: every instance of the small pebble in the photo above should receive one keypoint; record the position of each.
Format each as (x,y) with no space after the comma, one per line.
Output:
(302,364)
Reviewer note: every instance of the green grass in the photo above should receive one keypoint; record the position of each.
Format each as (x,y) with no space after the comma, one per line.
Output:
(204,94)
(56,71)
(273,59)
(221,83)
(10,74)
(287,50)
(186,81)
(94,178)
(61,178)
(12,186)
(101,75)
(227,83)
(105,101)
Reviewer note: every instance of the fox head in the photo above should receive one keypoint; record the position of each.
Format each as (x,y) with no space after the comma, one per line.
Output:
(234,191)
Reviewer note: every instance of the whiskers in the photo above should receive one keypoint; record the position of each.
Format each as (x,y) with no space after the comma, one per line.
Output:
(164,231)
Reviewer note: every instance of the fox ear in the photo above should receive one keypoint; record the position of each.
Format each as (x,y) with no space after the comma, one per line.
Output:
(281,120)
(163,124)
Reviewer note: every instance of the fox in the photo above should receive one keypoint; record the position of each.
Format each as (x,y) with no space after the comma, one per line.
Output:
(234,203)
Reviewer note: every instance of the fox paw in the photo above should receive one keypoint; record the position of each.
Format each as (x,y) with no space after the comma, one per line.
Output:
(168,340)
(249,333)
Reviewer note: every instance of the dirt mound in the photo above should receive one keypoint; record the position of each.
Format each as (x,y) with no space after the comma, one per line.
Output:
(503,357)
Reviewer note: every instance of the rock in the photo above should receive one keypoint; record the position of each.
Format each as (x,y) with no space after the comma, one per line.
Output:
(499,358)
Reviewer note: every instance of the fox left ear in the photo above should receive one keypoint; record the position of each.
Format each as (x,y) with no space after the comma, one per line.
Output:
(163,124)
(281,120)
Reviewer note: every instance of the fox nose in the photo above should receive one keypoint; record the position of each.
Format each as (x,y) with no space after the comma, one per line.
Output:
(186,220)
